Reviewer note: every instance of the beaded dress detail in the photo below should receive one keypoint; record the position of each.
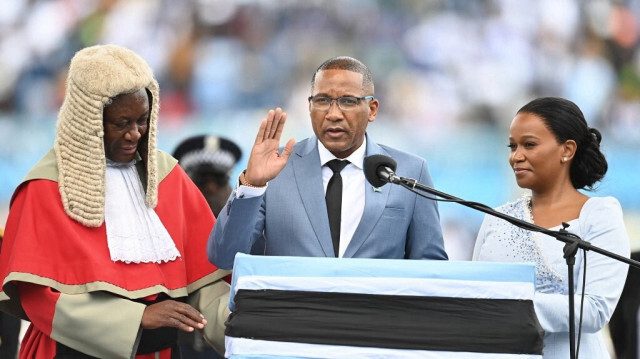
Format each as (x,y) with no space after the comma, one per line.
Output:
(522,245)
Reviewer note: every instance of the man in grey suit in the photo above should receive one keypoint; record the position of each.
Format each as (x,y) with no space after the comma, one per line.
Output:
(280,200)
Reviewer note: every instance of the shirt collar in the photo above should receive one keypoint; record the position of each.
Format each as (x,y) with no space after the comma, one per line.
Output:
(356,158)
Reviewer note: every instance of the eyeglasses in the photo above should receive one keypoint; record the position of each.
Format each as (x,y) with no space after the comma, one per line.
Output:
(345,103)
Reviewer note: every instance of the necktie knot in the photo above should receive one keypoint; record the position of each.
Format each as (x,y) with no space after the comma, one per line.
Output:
(337,165)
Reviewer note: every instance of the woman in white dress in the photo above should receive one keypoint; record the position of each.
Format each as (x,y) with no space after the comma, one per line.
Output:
(554,153)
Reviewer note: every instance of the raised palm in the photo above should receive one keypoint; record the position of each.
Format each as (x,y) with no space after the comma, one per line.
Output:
(265,161)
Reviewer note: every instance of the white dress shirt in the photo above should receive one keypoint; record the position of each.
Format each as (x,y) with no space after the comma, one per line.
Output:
(352,191)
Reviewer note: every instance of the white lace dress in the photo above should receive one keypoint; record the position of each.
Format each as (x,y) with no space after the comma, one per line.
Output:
(600,223)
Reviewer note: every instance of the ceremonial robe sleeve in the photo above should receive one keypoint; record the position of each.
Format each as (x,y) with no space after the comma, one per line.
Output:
(99,324)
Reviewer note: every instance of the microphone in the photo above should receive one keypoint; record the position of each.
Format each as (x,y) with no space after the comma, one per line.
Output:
(379,170)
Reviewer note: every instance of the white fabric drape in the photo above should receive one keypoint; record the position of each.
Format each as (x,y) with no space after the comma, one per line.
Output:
(135,233)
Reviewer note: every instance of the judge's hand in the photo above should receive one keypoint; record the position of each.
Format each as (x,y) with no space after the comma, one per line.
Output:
(170,313)
(264,161)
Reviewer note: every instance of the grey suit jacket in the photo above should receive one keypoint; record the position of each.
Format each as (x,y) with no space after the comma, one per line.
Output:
(290,218)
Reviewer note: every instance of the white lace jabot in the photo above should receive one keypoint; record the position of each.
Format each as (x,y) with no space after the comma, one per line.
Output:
(135,233)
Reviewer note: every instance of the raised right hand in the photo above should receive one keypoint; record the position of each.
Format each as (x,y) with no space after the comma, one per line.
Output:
(265,162)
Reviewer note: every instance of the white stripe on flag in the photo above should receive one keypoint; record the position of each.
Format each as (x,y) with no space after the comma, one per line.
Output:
(238,348)
(392,286)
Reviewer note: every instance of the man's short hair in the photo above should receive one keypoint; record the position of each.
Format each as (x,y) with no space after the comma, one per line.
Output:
(349,64)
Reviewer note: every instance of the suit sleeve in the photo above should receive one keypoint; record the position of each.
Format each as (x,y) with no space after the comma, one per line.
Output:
(605,276)
(424,239)
(238,226)
(98,324)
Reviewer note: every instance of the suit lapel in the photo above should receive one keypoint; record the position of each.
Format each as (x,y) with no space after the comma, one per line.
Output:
(308,177)
(375,201)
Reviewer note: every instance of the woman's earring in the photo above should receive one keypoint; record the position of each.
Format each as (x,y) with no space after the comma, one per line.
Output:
(564,159)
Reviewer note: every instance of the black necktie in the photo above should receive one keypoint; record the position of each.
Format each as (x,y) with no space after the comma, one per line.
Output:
(334,201)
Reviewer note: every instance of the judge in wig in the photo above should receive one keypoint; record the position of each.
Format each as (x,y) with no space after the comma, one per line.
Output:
(105,240)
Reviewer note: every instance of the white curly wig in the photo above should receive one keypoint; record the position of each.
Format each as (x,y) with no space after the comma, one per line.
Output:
(96,75)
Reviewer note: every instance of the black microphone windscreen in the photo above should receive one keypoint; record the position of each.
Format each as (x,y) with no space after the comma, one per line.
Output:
(372,166)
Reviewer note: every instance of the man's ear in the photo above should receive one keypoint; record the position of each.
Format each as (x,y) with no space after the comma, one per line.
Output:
(373,109)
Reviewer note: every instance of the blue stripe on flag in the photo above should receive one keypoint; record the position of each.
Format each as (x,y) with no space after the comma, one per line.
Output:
(246,265)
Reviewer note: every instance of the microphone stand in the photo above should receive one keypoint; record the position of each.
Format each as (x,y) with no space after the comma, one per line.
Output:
(572,241)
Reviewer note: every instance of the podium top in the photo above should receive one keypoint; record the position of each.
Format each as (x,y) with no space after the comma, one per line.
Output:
(386,276)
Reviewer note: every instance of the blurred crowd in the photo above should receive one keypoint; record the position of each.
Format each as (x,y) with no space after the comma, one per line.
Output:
(438,64)
(450,74)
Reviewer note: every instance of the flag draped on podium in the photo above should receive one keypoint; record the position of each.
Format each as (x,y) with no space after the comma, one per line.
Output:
(294,307)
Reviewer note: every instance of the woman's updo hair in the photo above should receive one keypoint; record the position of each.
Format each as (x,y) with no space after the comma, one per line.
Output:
(565,120)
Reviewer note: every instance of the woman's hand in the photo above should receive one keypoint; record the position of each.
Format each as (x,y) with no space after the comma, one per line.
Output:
(170,313)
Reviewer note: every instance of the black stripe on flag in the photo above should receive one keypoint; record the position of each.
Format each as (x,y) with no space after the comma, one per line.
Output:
(387,321)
